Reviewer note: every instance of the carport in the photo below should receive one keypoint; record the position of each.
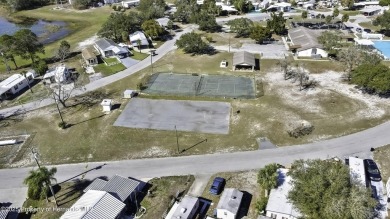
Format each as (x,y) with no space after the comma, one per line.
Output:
(243,60)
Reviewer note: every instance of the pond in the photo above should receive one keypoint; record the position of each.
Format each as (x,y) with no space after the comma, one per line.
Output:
(47,31)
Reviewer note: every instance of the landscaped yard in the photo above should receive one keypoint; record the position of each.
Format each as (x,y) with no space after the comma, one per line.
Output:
(162,192)
(350,13)
(111,61)
(109,70)
(369,25)
(139,56)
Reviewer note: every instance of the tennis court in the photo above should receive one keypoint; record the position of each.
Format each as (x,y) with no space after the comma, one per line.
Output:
(201,85)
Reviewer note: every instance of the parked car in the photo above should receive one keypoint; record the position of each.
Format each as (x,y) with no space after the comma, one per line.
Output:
(217,186)
(367,30)
(372,170)
(359,30)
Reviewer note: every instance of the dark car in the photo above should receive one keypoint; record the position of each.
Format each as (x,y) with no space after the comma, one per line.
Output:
(372,170)
(217,185)
(367,30)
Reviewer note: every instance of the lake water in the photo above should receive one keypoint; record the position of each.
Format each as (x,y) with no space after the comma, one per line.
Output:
(47,31)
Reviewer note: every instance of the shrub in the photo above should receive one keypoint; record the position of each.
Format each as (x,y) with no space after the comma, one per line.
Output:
(114,7)
(62,125)
(303,129)
(261,205)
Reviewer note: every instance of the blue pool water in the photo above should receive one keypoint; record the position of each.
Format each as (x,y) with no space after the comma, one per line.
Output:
(383,46)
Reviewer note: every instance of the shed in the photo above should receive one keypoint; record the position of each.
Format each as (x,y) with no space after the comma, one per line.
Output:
(244,59)
(107,104)
(129,94)
(89,56)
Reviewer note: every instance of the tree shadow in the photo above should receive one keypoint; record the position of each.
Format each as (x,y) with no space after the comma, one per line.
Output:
(87,120)
(245,204)
(186,149)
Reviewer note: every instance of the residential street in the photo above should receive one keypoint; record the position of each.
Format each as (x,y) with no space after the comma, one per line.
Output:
(213,163)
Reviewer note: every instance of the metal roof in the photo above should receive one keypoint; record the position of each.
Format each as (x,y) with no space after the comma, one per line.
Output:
(230,200)
(88,53)
(95,204)
(356,171)
(138,35)
(12,81)
(185,207)
(244,58)
(4,213)
(278,201)
(305,37)
(105,44)
(97,184)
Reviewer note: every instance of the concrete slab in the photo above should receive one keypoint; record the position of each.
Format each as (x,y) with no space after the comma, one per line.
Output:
(128,62)
(199,185)
(193,116)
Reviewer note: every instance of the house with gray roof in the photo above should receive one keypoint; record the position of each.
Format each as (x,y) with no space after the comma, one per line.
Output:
(109,48)
(95,204)
(120,187)
(279,206)
(305,43)
(244,60)
(229,204)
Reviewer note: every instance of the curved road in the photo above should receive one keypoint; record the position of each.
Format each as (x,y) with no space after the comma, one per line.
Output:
(213,163)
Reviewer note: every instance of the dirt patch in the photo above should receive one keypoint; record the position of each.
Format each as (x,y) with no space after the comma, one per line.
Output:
(88,42)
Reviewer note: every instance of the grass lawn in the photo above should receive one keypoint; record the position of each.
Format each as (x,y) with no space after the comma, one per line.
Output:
(110,61)
(243,181)
(162,191)
(369,25)
(382,157)
(109,70)
(139,56)
(92,134)
(82,24)
(350,13)
(66,196)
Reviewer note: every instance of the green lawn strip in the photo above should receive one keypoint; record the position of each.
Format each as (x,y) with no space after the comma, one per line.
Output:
(109,70)
(111,61)
(67,195)
(382,157)
(243,181)
(369,25)
(139,56)
(82,24)
(350,13)
(162,192)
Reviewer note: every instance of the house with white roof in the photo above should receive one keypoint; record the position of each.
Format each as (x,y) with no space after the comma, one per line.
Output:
(138,37)
(109,48)
(279,206)
(131,3)
(357,171)
(95,204)
(59,74)
(185,209)
(15,83)
(229,204)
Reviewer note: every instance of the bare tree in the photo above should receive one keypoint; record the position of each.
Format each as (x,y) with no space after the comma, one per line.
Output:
(284,66)
(63,51)
(350,58)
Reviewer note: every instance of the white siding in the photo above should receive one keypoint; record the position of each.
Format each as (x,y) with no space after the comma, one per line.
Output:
(308,52)
(224,214)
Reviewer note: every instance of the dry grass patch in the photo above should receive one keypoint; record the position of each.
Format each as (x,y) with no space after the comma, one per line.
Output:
(163,191)
(382,157)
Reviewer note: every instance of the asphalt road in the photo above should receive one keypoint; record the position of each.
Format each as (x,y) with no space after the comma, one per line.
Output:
(213,163)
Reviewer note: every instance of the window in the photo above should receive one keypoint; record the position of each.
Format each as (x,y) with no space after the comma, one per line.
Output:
(16,87)
(273,216)
(20,83)
(225,213)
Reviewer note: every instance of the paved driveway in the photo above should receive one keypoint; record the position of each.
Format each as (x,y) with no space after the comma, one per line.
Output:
(128,62)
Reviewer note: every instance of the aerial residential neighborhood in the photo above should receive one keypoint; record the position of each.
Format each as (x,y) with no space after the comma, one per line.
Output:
(207,109)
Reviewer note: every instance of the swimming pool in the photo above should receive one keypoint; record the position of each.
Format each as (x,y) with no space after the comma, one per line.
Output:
(383,46)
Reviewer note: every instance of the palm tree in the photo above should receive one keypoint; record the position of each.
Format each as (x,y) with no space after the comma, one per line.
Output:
(38,182)
(268,177)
